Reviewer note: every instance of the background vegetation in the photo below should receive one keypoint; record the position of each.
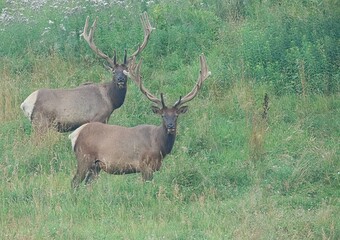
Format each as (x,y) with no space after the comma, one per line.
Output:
(232,174)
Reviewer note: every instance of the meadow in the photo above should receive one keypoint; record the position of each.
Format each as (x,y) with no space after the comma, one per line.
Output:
(234,172)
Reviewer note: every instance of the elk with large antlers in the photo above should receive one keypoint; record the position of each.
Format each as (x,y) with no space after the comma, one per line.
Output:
(67,109)
(122,150)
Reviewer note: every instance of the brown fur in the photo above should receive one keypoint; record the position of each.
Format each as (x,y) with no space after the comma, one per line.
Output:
(67,109)
(122,150)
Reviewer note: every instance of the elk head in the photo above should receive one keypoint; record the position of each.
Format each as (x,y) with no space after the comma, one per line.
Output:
(169,114)
(120,71)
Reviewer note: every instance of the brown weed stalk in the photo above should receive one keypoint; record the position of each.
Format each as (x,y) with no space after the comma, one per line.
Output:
(259,128)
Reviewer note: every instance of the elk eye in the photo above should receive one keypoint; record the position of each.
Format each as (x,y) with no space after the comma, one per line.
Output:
(126,73)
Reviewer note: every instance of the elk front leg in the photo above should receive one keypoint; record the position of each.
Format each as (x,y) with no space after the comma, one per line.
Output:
(150,163)
(147,174)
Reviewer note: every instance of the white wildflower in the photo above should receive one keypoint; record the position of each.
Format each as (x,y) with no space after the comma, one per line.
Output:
(62,27)
(46,30)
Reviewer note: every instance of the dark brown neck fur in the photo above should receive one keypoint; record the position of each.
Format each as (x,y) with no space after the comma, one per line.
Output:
(116,94)
(166,140)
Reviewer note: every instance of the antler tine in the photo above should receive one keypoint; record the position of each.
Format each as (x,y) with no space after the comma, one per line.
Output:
(134,73)
(147,32)
(204,74)
(89,39)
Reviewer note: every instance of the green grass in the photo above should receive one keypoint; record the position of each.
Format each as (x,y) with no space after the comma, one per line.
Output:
(231,175)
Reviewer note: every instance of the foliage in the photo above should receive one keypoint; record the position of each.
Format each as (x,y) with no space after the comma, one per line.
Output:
(292,47)
(287,49)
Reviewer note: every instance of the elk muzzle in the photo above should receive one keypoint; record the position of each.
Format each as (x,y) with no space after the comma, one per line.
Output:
(170,128)
(121,79)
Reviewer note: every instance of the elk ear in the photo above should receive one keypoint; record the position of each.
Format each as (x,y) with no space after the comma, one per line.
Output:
(156,110)
(182,109)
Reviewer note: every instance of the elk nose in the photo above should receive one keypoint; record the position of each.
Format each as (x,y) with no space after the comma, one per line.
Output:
(171,125)
(120,79)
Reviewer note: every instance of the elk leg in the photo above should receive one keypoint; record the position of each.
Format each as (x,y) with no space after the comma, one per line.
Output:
(93,173)
(149,165)
(41,127)
(147,174)
(40,123)
(78,178)
(83,168)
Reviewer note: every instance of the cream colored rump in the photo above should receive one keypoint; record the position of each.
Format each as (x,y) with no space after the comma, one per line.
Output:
(28,105)
(74,135)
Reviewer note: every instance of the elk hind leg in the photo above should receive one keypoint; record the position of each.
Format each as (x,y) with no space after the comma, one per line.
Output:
(93,173)
(40,123)
(78,178)
(147,174)
(84,166)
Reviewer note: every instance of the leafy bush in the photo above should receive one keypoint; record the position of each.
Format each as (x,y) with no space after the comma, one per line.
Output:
(286,49)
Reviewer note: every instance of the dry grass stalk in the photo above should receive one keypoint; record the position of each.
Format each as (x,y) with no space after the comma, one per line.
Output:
(259,128)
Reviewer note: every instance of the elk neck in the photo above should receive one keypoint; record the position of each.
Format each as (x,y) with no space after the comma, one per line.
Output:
(165,140)
(116,94)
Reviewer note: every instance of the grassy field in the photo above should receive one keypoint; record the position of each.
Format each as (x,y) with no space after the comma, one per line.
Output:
(231,174)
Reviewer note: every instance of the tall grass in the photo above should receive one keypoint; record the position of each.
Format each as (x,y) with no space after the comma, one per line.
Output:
(233,174)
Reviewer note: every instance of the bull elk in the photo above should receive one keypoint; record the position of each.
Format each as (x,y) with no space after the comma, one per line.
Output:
(67,109)
(122,150)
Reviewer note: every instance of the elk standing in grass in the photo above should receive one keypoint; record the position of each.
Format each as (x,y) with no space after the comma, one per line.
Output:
(122,150)
(67,109)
